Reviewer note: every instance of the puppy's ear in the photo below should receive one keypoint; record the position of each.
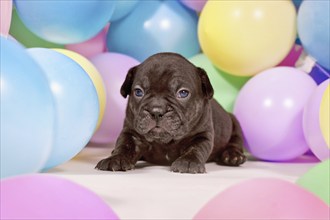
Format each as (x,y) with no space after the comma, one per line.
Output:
(206,84)
(127,85)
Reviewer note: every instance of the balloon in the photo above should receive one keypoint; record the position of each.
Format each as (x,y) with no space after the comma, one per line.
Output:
(196,5)
(123,8)
(65,22)
(91,47)
(5,15)
(292,57)
(155,26)
(325,115)
(27,112)
(297,41)
(313,30)
(76,104)
(316,180)
(269,108)
(50,197)
(113,68)
(311,123)
(297,3)
(11,38)
(319,73)
(264,199)
(246,37)
(20,32)
(308,64)
(226,86)
(94,75)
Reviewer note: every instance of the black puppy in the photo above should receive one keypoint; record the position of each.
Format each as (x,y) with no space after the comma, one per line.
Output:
(171,119)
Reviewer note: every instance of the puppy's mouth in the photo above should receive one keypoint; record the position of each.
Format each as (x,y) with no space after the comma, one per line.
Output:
(157,129)
(158,134)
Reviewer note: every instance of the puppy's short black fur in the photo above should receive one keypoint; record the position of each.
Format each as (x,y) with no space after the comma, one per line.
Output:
(171,119)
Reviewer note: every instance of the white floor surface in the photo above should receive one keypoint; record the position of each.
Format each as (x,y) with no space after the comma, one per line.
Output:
(153,192)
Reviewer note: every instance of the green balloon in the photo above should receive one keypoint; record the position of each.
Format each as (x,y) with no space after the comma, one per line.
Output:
(226,86)
(23,35)
(316,180)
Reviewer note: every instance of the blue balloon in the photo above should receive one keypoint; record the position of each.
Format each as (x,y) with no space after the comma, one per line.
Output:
(27,112)
(155,26)
(123,8)
(76,104)
(313,30)
(65,22)
(297,3)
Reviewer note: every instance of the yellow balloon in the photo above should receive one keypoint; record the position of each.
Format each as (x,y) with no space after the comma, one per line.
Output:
(325,115)
(246,37)
(95,76)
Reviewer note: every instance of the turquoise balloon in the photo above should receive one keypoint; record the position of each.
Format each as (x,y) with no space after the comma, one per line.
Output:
(65,22)
(155,26)
(77,106)
(123,8)
(313,29)
(23,35)
(27,112)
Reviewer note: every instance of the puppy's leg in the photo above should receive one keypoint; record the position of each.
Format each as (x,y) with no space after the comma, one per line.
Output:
(123,157)
(233,154)
(193,159)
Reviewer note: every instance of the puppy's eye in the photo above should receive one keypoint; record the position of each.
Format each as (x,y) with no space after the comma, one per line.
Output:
(182,93)
(138,92)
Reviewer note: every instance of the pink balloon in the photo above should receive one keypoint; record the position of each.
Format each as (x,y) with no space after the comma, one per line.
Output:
(264,199)
(49,197)
(5,16)
(292,57)
(196,5)
(91,47)
(269,108)
(311,123)
(113,68)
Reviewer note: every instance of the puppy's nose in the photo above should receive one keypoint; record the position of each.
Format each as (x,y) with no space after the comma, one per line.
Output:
(156,113)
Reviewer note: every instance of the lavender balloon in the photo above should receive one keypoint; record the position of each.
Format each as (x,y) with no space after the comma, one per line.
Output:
(50,197)
(270,110)
(113,68)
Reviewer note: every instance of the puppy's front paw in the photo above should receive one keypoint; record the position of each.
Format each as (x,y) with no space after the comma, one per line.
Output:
(183,165)
(115,163)
(232,157)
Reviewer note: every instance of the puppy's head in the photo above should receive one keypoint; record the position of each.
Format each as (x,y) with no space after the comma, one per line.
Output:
(167,95)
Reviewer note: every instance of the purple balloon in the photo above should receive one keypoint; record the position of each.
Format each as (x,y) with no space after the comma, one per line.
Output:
(319,73)
(196,5)
(270,110)
(311,123)
(113,68)
(49,197)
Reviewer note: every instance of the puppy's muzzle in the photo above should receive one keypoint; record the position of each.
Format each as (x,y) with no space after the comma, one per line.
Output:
(156,113)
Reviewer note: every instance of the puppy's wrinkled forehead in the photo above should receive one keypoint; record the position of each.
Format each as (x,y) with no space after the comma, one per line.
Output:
(166,67)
